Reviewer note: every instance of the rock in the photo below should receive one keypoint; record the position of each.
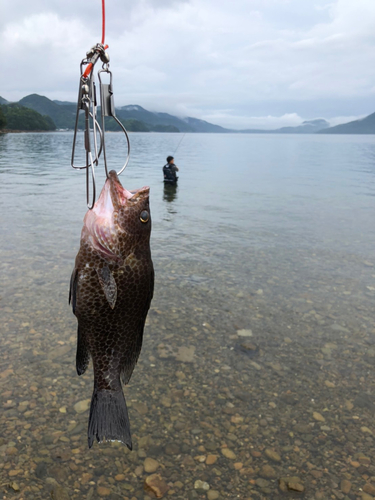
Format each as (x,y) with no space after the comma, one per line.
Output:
(369,488)
(349,405)
(185,354)
(150,465)
(292,483)
(138,470)
(345,486)
(201,485)
(140,407)
(329,384)
(272,455)
(244,333)
(14,486)
(172,449)
(365,496)
(366,430)
(103,491)
(211,459)
(228,453)
(82,406)
(59,493)
(14,472)
(262,483)
(296,486)
(156,484)
(213,495)
(317,416)
(339,328)
(267,472)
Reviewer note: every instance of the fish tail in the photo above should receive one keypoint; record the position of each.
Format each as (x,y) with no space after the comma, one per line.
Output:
(109,418)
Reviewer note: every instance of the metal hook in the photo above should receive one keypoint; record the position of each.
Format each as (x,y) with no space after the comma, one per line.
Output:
(107,106)
(87,102)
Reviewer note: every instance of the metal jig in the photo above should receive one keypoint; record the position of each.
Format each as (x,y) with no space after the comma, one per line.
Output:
(88,103)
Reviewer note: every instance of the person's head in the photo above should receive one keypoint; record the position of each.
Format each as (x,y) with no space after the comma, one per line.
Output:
(170,159)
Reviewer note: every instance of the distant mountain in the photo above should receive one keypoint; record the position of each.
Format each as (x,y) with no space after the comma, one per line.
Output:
(362,126)
(136,118)
(151,119)
(23,118)
(62,116)
(307,127)
(203,126)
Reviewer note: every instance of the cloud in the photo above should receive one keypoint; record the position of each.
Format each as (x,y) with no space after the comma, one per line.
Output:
(275,59)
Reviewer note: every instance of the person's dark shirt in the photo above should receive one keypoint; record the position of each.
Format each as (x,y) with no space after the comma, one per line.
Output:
(169,171)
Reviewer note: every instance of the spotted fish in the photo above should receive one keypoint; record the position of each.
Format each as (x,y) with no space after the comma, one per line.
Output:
(111,290)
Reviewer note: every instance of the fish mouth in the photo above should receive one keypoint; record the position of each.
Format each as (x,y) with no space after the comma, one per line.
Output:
(114,195)
(121,196)
(99,221)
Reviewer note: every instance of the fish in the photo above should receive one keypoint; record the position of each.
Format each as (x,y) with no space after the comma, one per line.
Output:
(111,289)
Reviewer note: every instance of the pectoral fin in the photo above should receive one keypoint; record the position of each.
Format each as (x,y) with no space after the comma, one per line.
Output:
(108,284)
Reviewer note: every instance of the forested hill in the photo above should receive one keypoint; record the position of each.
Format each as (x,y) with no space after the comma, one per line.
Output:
(16,117)
(134,117)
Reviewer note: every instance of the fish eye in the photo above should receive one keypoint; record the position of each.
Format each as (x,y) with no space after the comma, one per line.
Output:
(144,216)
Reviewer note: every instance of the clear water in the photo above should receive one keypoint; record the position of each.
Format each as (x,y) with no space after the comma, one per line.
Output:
(268,233)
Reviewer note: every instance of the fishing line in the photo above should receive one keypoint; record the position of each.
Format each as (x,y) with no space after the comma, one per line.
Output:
(182,138)
(103,21)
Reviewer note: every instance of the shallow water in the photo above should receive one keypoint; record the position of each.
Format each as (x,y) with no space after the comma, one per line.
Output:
(257,372)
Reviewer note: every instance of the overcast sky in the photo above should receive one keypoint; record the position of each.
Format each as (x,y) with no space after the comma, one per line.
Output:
(236,63)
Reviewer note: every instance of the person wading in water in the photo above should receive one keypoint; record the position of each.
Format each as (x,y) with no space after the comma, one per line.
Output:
(169,171)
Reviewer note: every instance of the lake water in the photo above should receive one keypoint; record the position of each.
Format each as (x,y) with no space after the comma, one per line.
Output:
(256,378)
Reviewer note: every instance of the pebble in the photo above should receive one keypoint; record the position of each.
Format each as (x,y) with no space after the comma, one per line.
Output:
(156,484)
(317,416)
(103,491)
(262,483)
(366,430)
(345,486)
(201,485)
(211,459)
(150,465)
(14,486)
(267,472)
(213,495)
(292,483)
(244,333)
(272,455)
(365,496)
(228,453)
(59,493)
(369,488)
(82,406)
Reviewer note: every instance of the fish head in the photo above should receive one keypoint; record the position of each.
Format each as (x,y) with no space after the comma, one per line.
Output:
(120,220)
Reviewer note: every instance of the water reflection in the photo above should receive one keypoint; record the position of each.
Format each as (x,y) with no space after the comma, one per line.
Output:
(170,192)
